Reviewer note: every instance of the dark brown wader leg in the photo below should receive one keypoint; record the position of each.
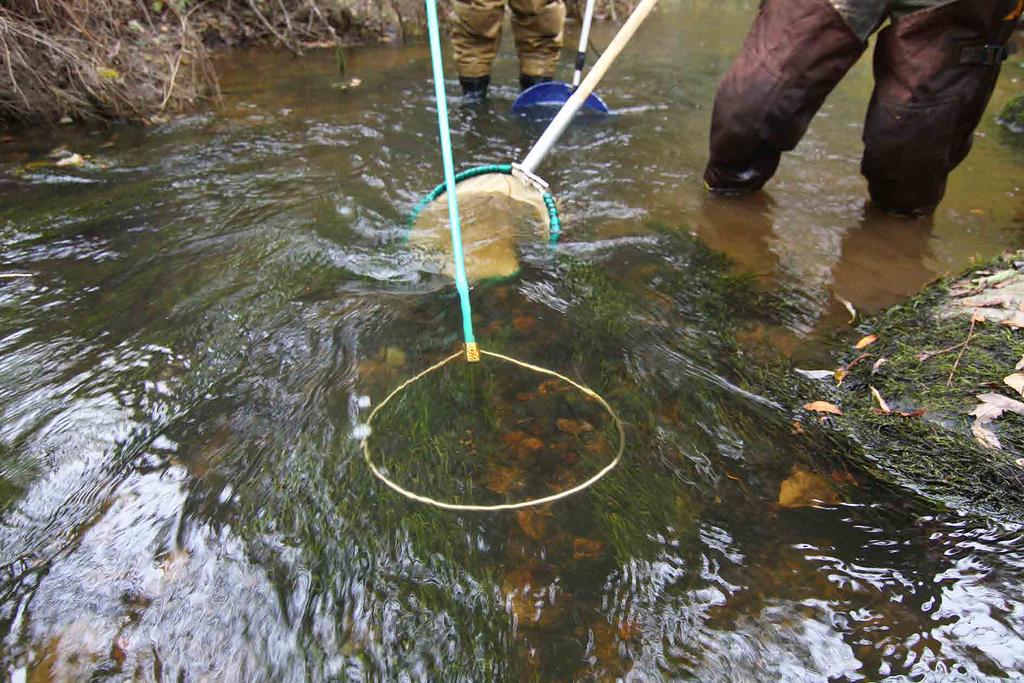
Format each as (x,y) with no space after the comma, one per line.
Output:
(795,54)
(935,70)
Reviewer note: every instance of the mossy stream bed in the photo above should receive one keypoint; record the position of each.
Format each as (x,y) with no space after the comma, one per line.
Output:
(908,393)
(194,318)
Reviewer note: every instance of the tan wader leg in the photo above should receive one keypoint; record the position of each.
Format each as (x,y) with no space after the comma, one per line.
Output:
(538,27)
(476,35)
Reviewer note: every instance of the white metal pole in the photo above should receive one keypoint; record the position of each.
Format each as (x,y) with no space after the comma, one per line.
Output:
(568,111)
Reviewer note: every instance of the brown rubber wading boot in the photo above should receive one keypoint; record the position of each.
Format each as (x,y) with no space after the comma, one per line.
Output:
(795,54)
(935,70)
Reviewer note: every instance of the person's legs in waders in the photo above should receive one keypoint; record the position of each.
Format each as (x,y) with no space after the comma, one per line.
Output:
(935,70)
(476,35)
(795,54)
(538,26)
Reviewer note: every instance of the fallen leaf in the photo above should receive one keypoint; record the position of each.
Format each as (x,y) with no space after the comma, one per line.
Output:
(1016,321)
(912,413)
(866,341)
(500,479)
(839,375)
(586,549)
(1019,462)
(532,522)
(985,437)
(1015,382)
(804,489)
(574,427)
(1020,364)
(843,477)
(815,374)
(849,307)
(532,444)
(986,412)
(849,366)
(984,303)
(796,427)
(512,438)
(108,73)
(878,363)
(822,407)
(882,405)
(524,323)
(73,160)
(1000,401)
(997,278)
(550,386)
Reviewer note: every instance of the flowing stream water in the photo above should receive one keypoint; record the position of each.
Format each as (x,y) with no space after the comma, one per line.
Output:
(188,322)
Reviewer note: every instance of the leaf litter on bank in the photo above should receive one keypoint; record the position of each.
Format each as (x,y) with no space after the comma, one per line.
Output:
(991,407)
(882,405)
(823,407)
(866,341)
(849,307)
(1015,382)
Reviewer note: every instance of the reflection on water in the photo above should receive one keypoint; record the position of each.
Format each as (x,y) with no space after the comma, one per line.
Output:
(180,495)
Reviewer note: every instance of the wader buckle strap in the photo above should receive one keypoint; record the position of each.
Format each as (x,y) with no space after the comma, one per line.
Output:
(984,55)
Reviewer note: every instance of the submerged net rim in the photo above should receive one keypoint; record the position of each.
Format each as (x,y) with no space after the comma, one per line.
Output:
(463,507)
(554,221)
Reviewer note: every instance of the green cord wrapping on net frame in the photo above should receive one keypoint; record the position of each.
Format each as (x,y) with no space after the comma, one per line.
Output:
(554,222)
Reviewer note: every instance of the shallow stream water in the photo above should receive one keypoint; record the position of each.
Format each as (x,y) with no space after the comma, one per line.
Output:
(189,322)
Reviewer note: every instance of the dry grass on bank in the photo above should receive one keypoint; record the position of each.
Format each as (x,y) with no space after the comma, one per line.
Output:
(140,59)
(136,59)
(97,59)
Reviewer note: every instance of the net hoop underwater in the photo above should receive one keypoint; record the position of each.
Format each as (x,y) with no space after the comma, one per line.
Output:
(463,507)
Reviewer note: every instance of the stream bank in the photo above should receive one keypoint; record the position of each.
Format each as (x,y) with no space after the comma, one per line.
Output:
(124,60)
(927,394)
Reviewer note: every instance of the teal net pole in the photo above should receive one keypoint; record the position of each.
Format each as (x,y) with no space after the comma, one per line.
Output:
(461,283)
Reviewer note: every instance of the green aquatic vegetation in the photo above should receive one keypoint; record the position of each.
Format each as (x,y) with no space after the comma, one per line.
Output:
(932,453)
(1013,115)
